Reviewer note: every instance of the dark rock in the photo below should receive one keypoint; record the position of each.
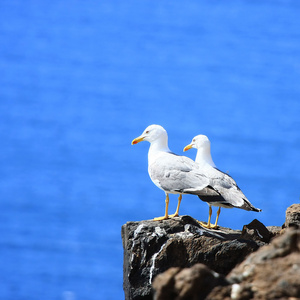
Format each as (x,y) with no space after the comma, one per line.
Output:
(188,283)
(220,293)
(256,231)
(164,284)
(292,216)
(273,272)
(152,247)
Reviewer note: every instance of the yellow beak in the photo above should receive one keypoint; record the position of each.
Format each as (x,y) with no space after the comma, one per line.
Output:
(137,140)
(188,147)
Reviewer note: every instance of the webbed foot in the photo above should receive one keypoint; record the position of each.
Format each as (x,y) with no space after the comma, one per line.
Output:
(161,218)
(208,226)
(174,215)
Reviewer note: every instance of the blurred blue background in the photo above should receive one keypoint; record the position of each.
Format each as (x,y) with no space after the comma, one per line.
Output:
(80,79)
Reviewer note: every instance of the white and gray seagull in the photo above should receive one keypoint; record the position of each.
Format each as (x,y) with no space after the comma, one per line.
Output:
(172,173)
(223,190)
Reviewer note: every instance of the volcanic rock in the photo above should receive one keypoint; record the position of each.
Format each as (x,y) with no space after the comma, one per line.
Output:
(292,216)
(188,283)
(256,231)
(273,272)
(152,247)
(183,260)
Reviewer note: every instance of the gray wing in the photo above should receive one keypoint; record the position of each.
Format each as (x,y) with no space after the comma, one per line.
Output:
(174,173)
(226,186)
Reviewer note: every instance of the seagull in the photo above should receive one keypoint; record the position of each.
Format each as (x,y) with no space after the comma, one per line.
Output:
(223,191)
(172,173)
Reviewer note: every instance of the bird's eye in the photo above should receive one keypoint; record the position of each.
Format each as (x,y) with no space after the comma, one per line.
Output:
(193,140)
(147,131)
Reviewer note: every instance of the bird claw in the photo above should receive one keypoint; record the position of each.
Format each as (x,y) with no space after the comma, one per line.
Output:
(173,215)
(208,226)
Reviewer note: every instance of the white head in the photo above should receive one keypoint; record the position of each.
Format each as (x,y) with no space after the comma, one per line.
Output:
(202,144)
(199,142)
(154,134)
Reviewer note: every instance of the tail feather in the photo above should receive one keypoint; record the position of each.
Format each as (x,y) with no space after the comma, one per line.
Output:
(248,206)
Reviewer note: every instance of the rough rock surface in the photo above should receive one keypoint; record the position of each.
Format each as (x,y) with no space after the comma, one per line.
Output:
(292,216)
(188,283)
(256,231)
(273,272)
(152,247)
(197,263)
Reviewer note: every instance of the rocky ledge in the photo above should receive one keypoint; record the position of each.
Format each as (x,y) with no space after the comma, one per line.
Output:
(179,259)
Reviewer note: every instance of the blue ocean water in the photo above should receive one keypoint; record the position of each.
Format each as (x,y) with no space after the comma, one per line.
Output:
(80,79)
